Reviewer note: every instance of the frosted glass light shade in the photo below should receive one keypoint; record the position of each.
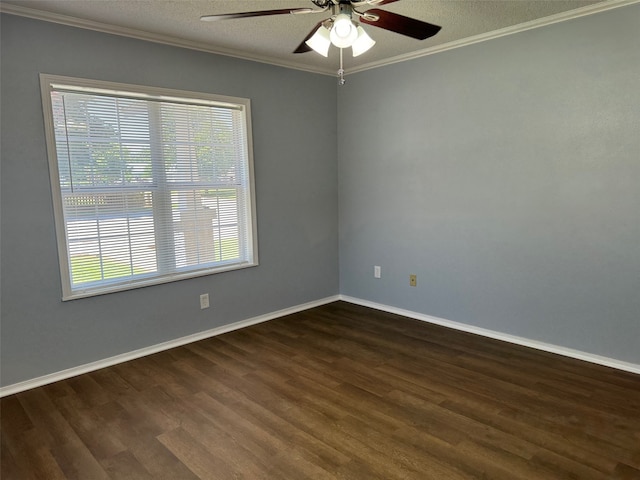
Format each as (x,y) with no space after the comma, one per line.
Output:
(320,41)
(344,32)
(363,43)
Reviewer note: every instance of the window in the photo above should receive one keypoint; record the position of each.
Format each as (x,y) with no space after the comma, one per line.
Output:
(149,185)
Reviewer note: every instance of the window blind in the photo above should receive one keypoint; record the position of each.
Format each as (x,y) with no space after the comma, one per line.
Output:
(151,188)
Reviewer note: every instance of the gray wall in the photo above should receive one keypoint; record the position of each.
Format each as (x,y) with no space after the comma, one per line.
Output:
(296,200)
(506,175)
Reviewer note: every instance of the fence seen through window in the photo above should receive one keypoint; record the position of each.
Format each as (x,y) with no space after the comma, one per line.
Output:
(149,185)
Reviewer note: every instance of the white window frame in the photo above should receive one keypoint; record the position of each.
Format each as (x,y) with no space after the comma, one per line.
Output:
(49,82)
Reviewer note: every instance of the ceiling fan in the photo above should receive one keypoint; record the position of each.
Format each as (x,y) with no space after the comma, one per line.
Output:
(342,28)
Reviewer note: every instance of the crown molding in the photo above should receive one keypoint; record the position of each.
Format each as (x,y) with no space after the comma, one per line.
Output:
(483,37)
(35,14)
(204,47)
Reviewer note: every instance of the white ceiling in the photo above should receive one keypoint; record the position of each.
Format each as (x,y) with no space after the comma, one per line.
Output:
(273,38)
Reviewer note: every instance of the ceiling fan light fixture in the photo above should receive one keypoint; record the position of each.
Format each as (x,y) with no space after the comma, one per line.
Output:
(344,32)
(320,41)
(363,43)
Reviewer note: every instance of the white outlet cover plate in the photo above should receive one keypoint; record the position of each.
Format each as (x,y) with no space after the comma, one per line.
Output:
(204,301)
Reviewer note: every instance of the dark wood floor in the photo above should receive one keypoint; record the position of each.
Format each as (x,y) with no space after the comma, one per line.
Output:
(340,391)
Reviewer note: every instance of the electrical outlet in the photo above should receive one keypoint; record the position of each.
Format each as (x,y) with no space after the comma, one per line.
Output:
(413,280)
(204,301)
(376,271)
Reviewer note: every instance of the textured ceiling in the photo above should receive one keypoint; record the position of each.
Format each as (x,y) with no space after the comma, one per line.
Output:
(273,38)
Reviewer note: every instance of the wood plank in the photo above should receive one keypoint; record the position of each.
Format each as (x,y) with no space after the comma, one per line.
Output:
(336,392)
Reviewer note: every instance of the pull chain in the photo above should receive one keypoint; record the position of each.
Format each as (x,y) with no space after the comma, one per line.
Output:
(341,80)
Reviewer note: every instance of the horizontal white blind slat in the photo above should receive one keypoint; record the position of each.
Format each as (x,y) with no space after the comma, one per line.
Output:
(149,188)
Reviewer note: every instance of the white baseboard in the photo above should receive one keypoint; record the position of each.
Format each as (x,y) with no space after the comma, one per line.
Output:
(547,347)
(125,357)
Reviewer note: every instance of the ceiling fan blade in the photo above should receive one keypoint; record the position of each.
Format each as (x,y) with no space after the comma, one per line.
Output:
(400,24)
(261,13)
(303,47)
(373,3)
